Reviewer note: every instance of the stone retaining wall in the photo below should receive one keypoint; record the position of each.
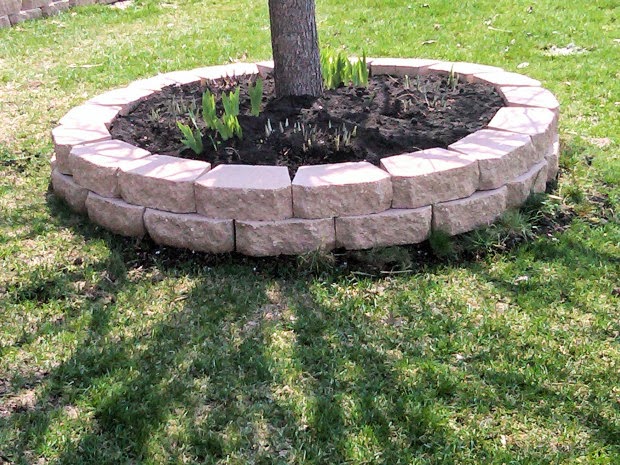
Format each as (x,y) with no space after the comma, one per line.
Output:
(258,210)
(16,11)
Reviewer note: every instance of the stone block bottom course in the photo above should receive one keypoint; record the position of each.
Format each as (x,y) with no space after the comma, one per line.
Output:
(259,211)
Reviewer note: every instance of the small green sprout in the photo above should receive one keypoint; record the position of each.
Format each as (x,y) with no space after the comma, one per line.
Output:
(256,95)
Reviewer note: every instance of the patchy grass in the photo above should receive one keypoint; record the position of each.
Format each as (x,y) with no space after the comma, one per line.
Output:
(504,351)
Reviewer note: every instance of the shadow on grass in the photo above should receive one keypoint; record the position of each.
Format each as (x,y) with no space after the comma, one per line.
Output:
(262,366)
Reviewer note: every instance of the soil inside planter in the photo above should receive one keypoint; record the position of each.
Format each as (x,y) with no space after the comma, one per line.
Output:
(389,117)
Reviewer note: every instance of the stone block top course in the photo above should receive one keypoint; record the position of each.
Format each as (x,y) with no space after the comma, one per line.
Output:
(257,210)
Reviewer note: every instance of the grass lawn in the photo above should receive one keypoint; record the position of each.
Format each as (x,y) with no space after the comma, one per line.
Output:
(114,351)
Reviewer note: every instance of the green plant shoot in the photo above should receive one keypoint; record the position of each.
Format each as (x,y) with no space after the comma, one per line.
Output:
(256,96)
(208,109)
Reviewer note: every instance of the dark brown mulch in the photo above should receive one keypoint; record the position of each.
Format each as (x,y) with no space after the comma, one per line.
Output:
(391,116)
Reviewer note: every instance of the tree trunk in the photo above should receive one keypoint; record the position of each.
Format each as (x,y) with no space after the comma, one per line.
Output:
(295,44)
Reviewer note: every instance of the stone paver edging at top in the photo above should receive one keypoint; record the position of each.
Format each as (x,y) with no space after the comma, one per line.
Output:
(13,12)
(260,211)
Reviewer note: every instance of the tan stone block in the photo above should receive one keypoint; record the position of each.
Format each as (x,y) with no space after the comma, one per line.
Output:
(265,68)
(67,137)
(190,231)
(287,237)
(55,8)
(116,215)
(67,189)
(501,156)
(127,98)
(520,188)
(4,22)
(95,166)
(93,114)
(391,227)
(10,7)
(340,189)
(32,4)
(53,163)
(162,182)
(25,15)
(430,176)
(233,69)
(539,123)
(462,215)
(466,71)
(553,159)
(245,192)
(505,78)
(182,77)
(529,97)
(153,84)
(400,66)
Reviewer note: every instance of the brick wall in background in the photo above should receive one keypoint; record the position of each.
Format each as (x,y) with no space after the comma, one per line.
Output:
(16,11)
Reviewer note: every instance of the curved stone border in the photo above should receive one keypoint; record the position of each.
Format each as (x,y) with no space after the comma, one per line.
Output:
(13,12)
(258,210)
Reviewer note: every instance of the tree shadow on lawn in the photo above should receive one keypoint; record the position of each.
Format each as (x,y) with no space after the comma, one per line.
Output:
(254,367)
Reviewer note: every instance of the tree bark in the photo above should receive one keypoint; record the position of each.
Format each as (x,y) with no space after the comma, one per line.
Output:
(295,45)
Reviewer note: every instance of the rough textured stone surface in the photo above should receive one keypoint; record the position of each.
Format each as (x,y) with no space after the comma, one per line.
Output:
(400,66)
(340,189)
(32,4)
(9,7)
(162,182)
(66,188)
(25,15)
(480,209)
(233,69)
(53,163)
(287,237)
(93,114)
(466,71)
(539,123)
(66,137)
(265,67)
(520,188)
(245,192)
(182,77)
(154,83)
(116,215)
(553,159)
(529,97)
(392,227)
(501,156)
(4,22)
(55,8)
(127,98)
(95,166)
(505,78)
(430,176)
(190,231)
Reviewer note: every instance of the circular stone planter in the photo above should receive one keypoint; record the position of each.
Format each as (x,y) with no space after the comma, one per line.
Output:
(258,210)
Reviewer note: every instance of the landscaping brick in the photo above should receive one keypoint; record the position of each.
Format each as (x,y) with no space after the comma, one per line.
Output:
(505,78)
(127,98)
(462,215)
(529,97)
(245,192)
(82,2)
(95,166)
(162,182)
(553,159)
(153,84)
(66,137)
(520,188)
(25,15)
(182,77)
(400,66)
(287,237)
(116,215)
(233,69)
(55,8)
(264,68)
(539,123)
(10,7)
(391,227)
(466,71)
(93,114)
(430,176)
(53,163)
(341,189)
(32,4)
(4,22)
(190,231)
(67,189)
(501,156)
